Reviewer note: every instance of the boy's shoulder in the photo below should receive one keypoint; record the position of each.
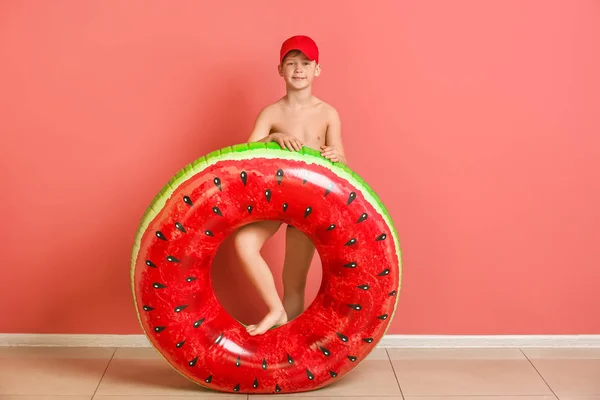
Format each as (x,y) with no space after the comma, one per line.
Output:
(325,108)
(329,110)
(271,108)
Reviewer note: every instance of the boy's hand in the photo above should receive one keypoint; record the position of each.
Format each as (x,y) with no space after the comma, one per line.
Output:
(285,140)
(331,153)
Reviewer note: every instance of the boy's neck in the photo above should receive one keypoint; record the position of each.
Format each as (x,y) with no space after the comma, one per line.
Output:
(299,98)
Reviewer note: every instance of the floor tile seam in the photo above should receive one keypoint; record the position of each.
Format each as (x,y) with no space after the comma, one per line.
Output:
(104,373)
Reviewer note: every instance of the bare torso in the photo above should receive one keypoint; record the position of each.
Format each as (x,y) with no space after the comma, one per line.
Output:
(308,123)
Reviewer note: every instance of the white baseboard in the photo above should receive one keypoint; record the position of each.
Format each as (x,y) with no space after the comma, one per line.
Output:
(388,341)
(488,341)
(73,340)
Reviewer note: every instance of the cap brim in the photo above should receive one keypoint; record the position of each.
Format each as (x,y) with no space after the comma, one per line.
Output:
(311,57)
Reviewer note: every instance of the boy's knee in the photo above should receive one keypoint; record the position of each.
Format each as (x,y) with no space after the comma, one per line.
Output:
(243,241)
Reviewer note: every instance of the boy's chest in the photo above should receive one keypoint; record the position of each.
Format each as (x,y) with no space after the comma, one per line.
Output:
(308,126)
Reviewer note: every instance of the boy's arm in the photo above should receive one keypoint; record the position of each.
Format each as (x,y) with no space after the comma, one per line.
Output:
(262,127)
(334,134)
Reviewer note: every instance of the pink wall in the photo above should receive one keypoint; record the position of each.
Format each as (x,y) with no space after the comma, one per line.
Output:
(476,122)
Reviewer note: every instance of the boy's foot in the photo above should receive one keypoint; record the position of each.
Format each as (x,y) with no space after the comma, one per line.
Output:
(271,319)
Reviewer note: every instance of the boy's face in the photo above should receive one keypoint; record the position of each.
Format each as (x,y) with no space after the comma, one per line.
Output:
(298,71)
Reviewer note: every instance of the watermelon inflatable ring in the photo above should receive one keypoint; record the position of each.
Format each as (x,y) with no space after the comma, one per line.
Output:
(213,197)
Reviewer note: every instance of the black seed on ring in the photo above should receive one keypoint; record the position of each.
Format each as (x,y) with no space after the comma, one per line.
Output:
(362,218)
(332,226)
(325,351)
(219,338)
(357,307)
(384,272)
(147,308)
(307,211)
(352,358)
(243,175)
(249,208)
(236,388)
(268,195)
(350,265)
(333,374)
(190,278)
(279,176)
(344,338)
(383,317)
(178,345)
(209,379)
(363,287)
(150,264)
(264,364)
(368,340)
(193,362)
(328,190)
(238,362)
(172,259)
(188,201)
(255,384)
(285,206)
(180,227)
(217,182)
(351,197)
(381,237)
(290,359)
(217,211)
(158,285)
(159,329)
(304,177)
(180,308)
(160,235)
(309,374)
(198,323)
(277,388)
(392,293)
(209,233)
(350,242)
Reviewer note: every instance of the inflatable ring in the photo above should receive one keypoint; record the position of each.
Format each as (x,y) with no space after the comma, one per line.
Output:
(210,199)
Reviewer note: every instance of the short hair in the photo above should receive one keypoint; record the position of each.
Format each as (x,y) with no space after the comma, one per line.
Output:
(291,53)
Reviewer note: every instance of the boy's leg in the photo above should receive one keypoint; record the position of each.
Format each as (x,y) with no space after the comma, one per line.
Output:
(248,241)
(299,251)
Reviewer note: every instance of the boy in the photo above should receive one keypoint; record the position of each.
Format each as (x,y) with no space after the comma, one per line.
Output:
(298,119)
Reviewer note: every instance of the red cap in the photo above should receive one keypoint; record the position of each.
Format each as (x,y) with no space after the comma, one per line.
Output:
(301,43)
